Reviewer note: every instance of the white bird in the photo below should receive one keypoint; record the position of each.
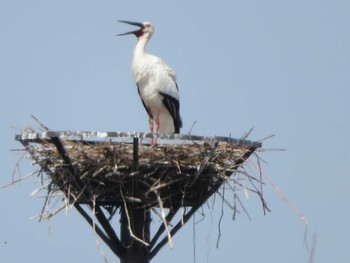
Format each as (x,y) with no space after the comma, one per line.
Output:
(156,83)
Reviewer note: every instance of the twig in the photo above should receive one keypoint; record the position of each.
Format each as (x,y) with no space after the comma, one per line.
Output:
(95,233)
(221,216)
(50,214)
(266,138)
(246,135)
(160,186)
(17,167)
(160,216)
(165,223)
(18,180)
(168,218)
(194,124)
(129,221)
(313,248)
(42,125)
(285,199)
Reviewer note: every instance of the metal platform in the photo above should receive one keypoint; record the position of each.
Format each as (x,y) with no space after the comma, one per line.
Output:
(114,135)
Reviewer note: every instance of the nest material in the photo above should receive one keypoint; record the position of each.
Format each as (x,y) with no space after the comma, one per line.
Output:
(139,179)
(183,174)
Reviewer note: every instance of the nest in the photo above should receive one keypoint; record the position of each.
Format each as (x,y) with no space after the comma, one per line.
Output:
(111,171)
(184,172)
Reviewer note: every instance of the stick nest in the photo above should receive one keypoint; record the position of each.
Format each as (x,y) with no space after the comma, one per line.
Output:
(183,174)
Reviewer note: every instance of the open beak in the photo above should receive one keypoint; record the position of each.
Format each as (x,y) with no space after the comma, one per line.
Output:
(135,32)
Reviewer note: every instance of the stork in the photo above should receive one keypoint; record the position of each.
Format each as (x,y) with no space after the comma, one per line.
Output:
(156,83)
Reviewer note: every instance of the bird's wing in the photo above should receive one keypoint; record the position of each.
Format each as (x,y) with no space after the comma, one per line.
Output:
(172,76)
(173,106)
(143,103)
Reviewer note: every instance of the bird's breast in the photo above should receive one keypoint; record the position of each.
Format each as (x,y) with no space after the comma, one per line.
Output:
(153,76)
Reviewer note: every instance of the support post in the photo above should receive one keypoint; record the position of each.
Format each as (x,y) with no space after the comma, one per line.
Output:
(135,251)
(135,224)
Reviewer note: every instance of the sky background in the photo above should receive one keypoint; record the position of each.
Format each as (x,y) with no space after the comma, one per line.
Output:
(282,67)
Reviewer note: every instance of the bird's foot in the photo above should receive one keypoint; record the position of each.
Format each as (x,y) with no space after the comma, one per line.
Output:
(151,128)
(154,139)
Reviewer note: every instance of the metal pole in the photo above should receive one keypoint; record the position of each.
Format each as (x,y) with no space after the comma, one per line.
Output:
(137,220)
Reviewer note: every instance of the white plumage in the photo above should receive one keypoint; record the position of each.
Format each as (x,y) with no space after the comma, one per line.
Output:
(156,84)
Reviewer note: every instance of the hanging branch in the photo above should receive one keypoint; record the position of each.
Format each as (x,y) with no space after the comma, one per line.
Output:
(162,227)
(165,223)
(129,221)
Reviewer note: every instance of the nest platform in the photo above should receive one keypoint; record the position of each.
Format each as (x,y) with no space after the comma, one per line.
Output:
(108,171)
(180,169)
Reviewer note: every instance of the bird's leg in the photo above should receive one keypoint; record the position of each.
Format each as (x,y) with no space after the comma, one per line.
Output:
(151,127)
(157,126)
(157,122)
(151,123)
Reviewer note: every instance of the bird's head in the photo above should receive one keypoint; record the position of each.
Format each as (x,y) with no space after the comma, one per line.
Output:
(146,29)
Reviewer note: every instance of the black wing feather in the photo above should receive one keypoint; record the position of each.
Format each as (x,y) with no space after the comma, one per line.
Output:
(173,106)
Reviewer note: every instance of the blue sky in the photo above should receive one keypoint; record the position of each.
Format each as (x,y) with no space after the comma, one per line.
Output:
(279,66)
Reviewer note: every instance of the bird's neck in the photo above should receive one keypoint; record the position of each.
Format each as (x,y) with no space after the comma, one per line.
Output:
(140,46)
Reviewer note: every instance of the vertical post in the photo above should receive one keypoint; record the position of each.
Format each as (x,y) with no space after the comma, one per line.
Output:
(137,220)
(136,154)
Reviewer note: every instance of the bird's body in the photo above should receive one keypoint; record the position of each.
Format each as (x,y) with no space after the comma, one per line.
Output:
(156,84)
